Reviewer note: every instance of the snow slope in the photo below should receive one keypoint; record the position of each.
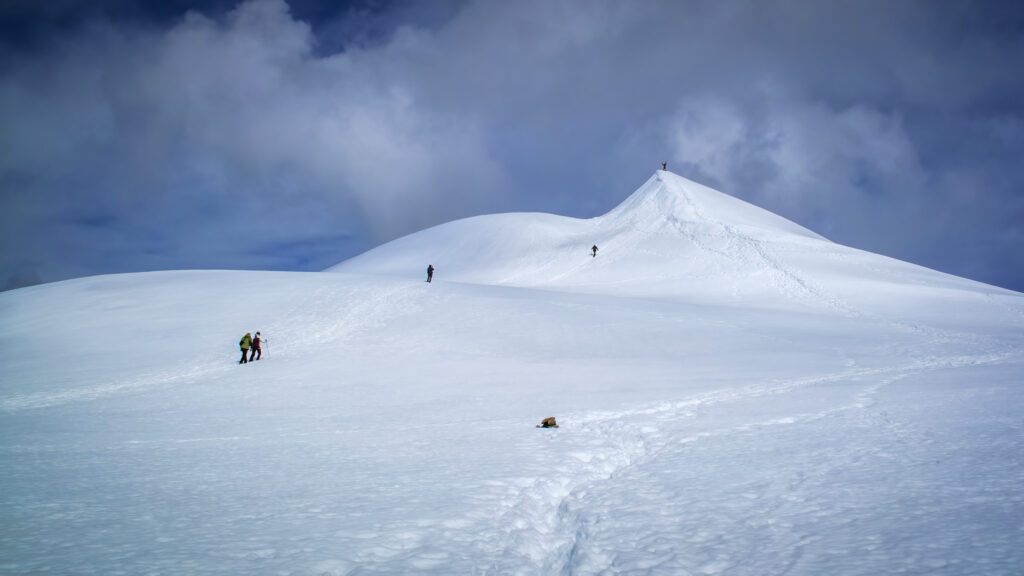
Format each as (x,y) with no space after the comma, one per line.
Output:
(737,395)
(672,238)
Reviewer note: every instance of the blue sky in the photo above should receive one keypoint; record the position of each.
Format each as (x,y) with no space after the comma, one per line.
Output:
(141,136)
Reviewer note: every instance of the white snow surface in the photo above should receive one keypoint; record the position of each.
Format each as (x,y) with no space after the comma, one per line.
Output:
(736,394)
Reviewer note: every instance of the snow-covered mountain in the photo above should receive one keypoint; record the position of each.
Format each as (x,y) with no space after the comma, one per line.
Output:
(665,234)
(674,238)
(736,394)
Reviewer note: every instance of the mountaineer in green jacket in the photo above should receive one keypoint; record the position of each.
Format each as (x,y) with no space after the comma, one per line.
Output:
(245,344)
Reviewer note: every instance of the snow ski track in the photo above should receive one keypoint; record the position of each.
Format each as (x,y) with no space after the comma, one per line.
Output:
(787,280)
(332,314)
(1009,303)
(94,391)
(317,323)
(542,524)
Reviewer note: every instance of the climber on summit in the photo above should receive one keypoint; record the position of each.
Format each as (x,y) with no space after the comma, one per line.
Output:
(593,251)
(430,272)
(664,166)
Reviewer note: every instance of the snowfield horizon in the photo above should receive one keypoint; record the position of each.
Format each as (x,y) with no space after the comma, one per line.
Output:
(736,395)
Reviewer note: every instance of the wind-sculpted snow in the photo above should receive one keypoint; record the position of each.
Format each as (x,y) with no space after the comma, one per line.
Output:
(735,394)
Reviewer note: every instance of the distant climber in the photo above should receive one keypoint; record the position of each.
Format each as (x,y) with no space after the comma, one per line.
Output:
(548,422)
(430,272)
(256,350)
(664,166)
(245,344)
(593,251)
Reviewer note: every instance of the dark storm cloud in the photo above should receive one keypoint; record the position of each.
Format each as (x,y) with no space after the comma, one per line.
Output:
(275,136)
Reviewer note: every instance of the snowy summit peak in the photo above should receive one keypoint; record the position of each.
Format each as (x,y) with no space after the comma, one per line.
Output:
(670,199)
(663,195)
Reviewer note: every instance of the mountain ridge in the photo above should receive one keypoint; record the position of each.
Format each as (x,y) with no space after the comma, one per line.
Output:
(672,237)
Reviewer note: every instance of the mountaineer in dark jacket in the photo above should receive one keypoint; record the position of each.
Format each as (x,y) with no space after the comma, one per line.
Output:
(256,350)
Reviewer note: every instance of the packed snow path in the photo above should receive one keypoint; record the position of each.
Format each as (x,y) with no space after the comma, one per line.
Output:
(736,396)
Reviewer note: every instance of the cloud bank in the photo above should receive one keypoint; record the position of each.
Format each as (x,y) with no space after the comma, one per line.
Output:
(255,138)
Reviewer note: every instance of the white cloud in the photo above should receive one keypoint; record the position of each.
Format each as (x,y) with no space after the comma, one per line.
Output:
(228,125)
(825,167)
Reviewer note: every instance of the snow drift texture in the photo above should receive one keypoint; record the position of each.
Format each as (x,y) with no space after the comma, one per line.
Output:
(736,395)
